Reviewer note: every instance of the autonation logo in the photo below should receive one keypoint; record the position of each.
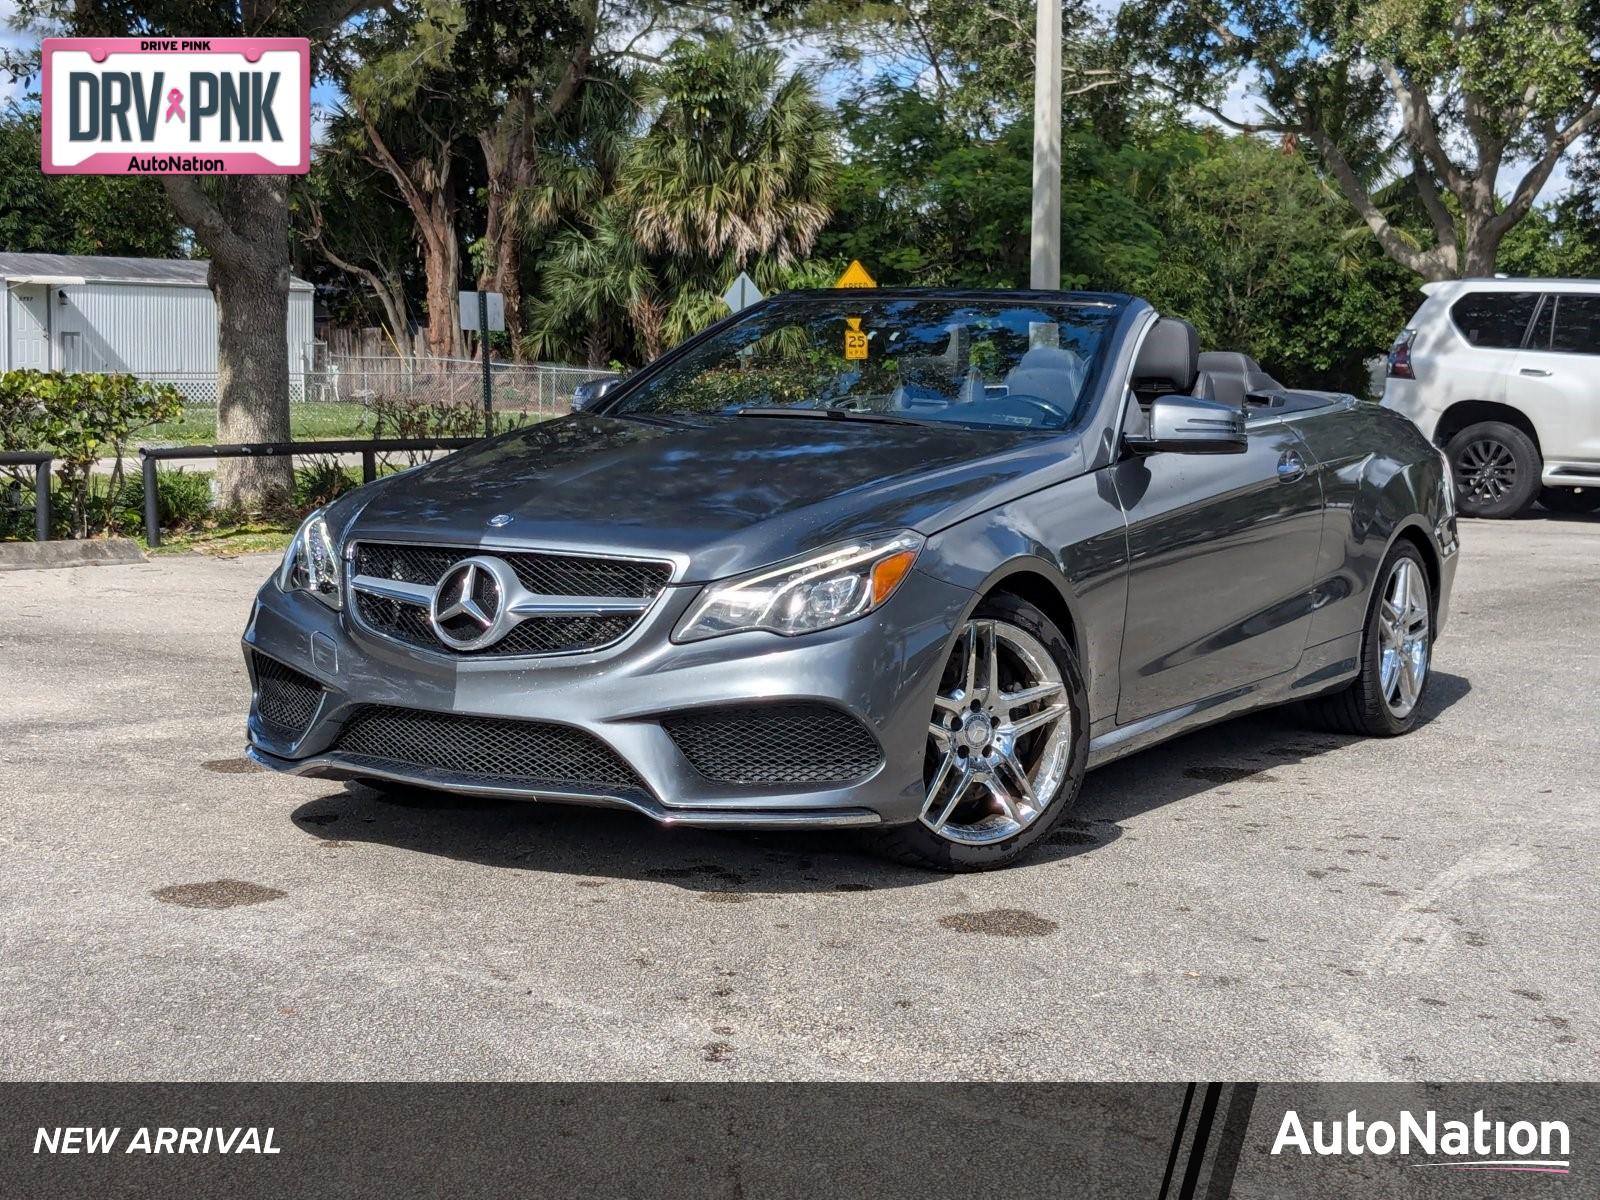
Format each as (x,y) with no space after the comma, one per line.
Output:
(1480,1144)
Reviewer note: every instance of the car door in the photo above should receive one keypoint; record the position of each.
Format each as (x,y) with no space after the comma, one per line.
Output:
(1556,378)
(1222,552)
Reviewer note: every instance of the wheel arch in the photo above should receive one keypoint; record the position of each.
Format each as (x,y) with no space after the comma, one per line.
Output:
(1415,532)
(1464,413)
(1040,585)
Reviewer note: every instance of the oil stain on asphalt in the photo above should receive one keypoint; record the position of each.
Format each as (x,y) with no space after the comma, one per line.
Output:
(1230,775)
(230,766)
(1000,922)
(219,893)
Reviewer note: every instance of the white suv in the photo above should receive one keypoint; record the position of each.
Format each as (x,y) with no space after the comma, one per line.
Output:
(1505,375)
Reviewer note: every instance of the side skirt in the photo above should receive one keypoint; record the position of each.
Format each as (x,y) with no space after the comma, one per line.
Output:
(1325,668)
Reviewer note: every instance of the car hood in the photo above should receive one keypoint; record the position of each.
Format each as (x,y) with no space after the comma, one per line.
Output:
(719,495)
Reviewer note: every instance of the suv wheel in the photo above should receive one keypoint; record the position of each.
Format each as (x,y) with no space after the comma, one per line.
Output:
(1396,654)
(1497,469)
(1570,500)
(1008,739)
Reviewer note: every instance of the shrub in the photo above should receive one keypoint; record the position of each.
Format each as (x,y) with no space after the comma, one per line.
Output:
(183,500)
(322,481)
(81,418)
(417,416)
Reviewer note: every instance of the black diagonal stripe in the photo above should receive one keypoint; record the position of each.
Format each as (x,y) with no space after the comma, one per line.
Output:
(1197,1148)
(1177,1141)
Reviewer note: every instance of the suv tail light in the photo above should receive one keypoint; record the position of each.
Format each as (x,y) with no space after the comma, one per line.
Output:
(1400,355)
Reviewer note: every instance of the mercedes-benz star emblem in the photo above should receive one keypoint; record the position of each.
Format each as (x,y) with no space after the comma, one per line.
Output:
(469,610)
(500,519)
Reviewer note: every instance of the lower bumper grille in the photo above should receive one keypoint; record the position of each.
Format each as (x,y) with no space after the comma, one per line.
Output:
(776,744)
(285,699)
(533,752)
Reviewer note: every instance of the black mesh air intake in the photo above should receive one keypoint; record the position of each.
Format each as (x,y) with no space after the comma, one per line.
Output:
(531,752)
(285,699)
(776,745)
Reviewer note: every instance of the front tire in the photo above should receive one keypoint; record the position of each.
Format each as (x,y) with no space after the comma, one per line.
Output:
(1496,468)
(1008,740)
(1396,654)
(1570,500)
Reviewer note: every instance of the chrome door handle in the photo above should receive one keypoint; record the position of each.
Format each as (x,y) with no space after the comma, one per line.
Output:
(1290,467)
(1536,372)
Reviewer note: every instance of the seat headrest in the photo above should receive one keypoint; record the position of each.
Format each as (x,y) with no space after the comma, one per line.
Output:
(1234,375)
(1169,360)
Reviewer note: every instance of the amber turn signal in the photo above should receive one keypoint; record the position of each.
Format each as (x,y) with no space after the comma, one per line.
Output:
(887,574)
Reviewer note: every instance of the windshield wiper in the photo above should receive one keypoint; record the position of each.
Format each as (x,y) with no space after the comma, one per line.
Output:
(829,414)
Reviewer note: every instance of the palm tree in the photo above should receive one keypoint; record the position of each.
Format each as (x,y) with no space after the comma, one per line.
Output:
(599,291)
(732,173)
(738,162)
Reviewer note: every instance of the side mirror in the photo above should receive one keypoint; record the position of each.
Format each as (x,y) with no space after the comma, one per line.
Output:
(1190,425)
(589,393)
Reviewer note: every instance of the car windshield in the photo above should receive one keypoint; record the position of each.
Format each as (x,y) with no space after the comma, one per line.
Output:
(992,363)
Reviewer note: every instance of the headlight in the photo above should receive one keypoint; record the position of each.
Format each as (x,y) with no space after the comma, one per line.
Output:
(311,564)
(822,591)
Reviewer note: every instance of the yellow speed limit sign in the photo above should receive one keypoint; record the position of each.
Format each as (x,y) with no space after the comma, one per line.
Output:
(855,341)
(855,276)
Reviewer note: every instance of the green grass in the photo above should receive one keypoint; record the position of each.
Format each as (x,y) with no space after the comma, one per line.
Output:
(249,538)
(308,422)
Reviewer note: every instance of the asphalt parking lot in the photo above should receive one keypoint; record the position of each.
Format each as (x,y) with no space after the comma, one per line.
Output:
(1255,901)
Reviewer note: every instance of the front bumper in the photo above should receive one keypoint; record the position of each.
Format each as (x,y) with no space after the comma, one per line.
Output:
(881,669)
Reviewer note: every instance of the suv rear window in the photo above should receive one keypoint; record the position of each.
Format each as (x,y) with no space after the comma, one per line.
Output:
(1494,320)
(1577,324)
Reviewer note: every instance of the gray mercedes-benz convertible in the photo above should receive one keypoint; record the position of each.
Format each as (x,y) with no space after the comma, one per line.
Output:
(913,560)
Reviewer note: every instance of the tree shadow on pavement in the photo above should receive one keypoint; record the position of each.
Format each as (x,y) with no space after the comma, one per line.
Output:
(1241,751)
(728,866)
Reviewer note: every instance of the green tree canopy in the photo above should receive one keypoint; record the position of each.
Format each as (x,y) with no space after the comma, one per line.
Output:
(1472,88)
(77,214)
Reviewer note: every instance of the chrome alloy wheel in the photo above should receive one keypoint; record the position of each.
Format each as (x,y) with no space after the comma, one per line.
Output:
(1000,740)
(1486,469)
(1404,641)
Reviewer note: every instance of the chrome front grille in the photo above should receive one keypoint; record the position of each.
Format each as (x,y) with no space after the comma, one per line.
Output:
(558,603)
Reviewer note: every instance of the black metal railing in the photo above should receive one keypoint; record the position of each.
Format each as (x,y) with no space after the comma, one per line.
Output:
(40,462)
(368,448)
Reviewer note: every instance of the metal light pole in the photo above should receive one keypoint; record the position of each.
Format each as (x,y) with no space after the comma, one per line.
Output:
(1046,236)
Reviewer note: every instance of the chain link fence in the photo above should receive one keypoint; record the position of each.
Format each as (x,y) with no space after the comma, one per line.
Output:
(534,390)
(531,389)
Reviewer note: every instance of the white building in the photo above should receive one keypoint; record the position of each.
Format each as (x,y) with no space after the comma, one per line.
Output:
(150,317)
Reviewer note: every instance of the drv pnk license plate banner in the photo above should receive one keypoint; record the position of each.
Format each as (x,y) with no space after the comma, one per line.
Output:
(176,106)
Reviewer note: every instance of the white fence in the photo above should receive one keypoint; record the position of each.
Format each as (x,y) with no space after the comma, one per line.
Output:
(536,389)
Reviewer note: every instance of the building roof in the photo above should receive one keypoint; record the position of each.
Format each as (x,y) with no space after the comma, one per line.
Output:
(97,268)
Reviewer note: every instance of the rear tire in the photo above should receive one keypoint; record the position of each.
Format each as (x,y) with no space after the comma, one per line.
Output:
(1396,654)
(1570,500)
(1496,468)
(1000,772)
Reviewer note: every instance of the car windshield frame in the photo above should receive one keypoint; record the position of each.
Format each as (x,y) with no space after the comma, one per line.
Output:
(1087,322)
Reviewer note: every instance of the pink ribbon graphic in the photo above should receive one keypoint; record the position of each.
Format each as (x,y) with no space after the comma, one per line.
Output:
(175,105)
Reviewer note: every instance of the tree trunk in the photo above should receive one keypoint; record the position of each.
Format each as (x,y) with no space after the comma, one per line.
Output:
(425,184)
(248,240)
(1482,240)
(507,164)
(508,282)
(441,260)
